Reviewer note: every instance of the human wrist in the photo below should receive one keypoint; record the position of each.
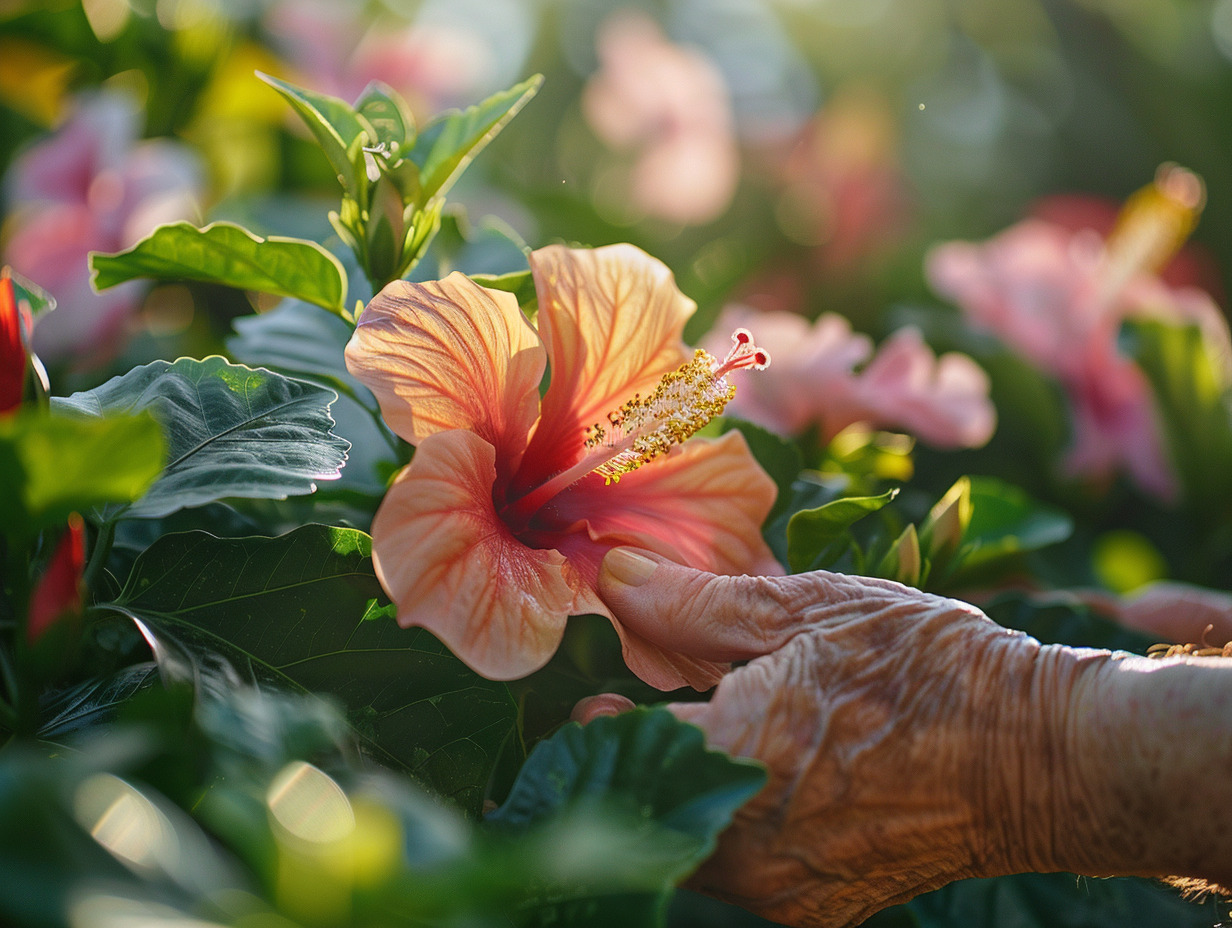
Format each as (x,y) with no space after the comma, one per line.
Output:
(1157,761)
(1107,766)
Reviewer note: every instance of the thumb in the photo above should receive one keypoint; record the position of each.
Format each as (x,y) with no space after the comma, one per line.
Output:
(704,615)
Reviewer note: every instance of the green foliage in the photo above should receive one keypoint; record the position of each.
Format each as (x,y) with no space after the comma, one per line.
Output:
(53,464)
(1195,409)
(231,432)
(778,457)
(818,537)
(393,177)
(642,773)
(297,612)
(224,253)
(449,142)
(1061,900)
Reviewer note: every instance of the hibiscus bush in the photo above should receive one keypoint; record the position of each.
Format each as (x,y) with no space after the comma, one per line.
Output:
(338,347)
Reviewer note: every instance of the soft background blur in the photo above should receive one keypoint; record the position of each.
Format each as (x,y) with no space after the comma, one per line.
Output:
(798,153)
(779,154)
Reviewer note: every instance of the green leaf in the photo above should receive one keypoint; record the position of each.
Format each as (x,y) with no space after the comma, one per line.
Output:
(78,708)
(37,299)
(1005,523)
(224,253)
(338,129)
(293,611)
(1195,408)
(387,113)
(816,537)
(51,465)
(451,140)
(298,339)
(231,431)
(1061,900)
(644,777)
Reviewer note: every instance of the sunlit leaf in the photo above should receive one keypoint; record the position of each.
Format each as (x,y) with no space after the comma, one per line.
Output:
(1005,523)
(387,113)
(224,253)
(817,537)
(296,611)
(450,141)
(51,465)
(333,123)
(1195,409)
(231,431)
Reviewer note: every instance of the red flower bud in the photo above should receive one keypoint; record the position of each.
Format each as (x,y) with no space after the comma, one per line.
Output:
(12,348)
(59,590)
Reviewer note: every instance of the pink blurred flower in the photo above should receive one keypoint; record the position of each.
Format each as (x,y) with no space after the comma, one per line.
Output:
(434,66)
(842,189)
(1058,296)
(668,105)
(902,387)
(91,186)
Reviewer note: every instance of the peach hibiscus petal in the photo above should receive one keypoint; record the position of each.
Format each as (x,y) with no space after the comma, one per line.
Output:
(611,319)
(452,566)
(450,354)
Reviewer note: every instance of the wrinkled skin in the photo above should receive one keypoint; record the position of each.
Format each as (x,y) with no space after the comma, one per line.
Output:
(910,741)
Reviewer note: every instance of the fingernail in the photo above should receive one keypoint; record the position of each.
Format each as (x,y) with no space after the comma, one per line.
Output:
(628,567)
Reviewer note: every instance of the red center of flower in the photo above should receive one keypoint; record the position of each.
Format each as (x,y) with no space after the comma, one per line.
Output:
(644,428)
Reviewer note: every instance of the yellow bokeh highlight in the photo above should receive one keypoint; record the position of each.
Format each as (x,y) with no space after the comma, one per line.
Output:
(34,79)
(1123,561)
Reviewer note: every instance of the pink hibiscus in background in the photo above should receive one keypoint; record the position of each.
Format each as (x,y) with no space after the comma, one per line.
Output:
(669,106)
(493,535)
(91,186)
(434,66)
(903,386)
(842,187)
(1057,296)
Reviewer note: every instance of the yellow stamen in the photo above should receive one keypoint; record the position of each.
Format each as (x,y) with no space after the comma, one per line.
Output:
(683,402)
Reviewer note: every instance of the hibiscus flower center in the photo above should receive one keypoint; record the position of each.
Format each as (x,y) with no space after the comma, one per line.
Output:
(644,428)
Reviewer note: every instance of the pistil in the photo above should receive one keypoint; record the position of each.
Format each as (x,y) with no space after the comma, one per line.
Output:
(644,428)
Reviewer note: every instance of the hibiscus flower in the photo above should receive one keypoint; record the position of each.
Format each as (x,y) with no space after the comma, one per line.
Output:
(493,535)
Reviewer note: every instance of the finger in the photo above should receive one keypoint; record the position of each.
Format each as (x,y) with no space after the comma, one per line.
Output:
(725,618)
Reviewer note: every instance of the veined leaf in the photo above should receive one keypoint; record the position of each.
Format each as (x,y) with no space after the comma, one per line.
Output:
(643,768)
(815,537)
(450,141)
(231,431)
(291,612)
(51,465)
(338,129)
(80,707)
(224,253)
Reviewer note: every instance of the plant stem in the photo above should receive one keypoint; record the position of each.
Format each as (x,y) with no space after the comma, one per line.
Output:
(99,553)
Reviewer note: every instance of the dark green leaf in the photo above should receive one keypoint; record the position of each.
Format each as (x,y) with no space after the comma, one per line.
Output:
(1061,900)
(816,537)
(335,125)
(67,712)
(232,431)
(51,465)
(224,253)
(450,141)
(291,611)
(644,778)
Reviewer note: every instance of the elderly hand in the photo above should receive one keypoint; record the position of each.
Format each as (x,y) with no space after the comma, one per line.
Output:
(911,741)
